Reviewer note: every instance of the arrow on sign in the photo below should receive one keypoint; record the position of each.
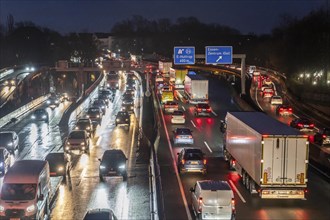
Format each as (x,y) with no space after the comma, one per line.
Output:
(220,57)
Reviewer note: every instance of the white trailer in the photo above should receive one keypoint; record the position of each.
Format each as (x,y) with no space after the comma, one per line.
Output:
(271,157)
(196,89)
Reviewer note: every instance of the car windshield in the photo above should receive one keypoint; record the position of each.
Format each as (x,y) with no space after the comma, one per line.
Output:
(39,111)
(202,106)
(97,216)
(5,137)
(55,158)
(77,135)
(112,157)
(122,114)
(18,191)
(97,110)
(193,155)
(178,113)
(170,103)
(183,131)
(83,123)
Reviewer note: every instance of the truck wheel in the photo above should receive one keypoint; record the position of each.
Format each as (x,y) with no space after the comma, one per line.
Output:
(251,187)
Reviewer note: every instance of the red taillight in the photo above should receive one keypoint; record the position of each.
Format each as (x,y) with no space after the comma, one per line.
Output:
(209,110)
(311,125)
(183,116)
(233,203)
(324,136)
(199,109)
(190,137)
(177,136)
(183,161)
(290,109)
(234,162)
(200,202)
(281,109)
(204,161)
(300,125)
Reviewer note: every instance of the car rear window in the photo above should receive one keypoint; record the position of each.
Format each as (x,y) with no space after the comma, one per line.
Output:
(193,156)
(203,106)
(77,135)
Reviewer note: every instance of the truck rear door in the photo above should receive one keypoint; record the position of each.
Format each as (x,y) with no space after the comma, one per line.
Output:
(284,160)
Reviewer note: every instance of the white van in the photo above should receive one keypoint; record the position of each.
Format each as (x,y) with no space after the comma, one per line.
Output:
(213,200)
(25,190)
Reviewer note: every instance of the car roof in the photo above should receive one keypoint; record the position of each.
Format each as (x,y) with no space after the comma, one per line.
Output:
(214,185)
(192,149)
(114,151)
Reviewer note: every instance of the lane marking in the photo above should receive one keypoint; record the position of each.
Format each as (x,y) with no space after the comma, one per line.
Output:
(238,193)
(215,114)
(99,141)
(183,195)
(183,108)
(208,147)
(193,123)
(256,97)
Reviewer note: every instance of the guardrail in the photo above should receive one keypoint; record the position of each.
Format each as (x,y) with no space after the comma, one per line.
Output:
(22,111)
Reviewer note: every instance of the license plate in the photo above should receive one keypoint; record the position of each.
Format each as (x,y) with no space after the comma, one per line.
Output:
(14,219)
(112,172)
(52,173)
(193,162)
(306,126)
(204,110)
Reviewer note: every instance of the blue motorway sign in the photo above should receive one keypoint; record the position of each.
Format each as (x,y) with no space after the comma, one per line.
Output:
(184,55)
(219,55)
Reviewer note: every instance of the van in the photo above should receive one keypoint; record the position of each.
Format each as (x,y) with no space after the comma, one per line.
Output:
(5,161)
(25,192)
(213,200)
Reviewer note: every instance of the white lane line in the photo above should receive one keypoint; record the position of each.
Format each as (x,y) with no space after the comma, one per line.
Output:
(296,116)
(184,109)
(183,195)
(238,193)
(215,114)
(193,123)
(257,99)
(208,147)
(99,141)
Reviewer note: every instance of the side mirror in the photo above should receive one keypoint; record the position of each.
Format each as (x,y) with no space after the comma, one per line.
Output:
(41,197)
(192,189)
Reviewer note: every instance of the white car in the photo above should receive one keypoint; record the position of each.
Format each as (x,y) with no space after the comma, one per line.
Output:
(276,100)
(178,117)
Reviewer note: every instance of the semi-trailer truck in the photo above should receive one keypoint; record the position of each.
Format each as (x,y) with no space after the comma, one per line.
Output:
(270,157)
(196,89)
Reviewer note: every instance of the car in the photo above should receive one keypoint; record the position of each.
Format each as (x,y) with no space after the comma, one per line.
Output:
(5,161)
(100,214)
(191,160)
(202,109)
(213,199)
(106,99)
(183,136)
(302,124)
(268,93)
(159,79)
(322,137)
(9,82)
(77,140)
(165,88)
(128,105)
(9,140)
(64,97)
(113,163)
(101,104)
(266,86)
(267,81)
(130,91)
(123,117)
(130,83)
(170,106)
(95,114)
(58,164)
(128,96)
(284,110)
(106,92)
(53,101)
(178,117)
(276,100)
(85,124)
(40,115)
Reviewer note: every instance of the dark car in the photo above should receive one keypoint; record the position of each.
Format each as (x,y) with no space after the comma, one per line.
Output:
(284,110)
(85,124)
(191,160)
(123,117)
(53,101)
(95,114)
(100,214)
(106,99)
(113,163)
(40,115)
(202,109)
(57,164)
(128,105)
(101,104)
(77,140)
(322,137)
(106,92)
(302,124)
(130,91)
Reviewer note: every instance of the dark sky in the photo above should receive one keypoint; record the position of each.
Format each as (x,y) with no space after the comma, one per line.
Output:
(258,16)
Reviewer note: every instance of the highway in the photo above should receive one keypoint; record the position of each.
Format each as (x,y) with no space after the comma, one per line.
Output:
(207,136)
(38,139)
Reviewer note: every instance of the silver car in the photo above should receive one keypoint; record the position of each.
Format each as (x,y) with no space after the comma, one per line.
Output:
(183,136)
(191,160)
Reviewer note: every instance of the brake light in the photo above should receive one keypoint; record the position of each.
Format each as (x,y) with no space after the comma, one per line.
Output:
(200,201)
(177,136)
(204,161)
(183,161)
(281,109)
(290,109)
(190,137)
(209,110)
(311,125)
(300,125)
(234,162)
(233,204)
(199,109)
(324,136)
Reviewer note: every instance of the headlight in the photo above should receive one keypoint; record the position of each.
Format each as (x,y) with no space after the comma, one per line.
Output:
(88,128)
(68,143)
(48,102)
(33,117)
(67,148)
(1,164)
(98,116)
(61,168)
(126,119)
(122,166)
(56,101)
(131,107)
(2,208)
(10,144)
(31,208)
(44,116)
(83,148)
(77,128)
(82,143)
(87,116)
(102,167)
(117,119)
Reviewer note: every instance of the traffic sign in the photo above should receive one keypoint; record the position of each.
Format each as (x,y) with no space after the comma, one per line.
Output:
(219,55)
(184,55)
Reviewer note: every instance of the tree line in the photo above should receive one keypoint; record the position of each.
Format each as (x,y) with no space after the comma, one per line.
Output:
(294,47)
